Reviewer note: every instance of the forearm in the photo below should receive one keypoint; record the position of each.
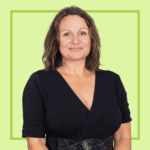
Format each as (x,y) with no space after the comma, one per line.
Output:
(37,146)
(122,144)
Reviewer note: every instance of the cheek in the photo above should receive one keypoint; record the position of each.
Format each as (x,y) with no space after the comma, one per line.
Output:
(87,42)
(62,43)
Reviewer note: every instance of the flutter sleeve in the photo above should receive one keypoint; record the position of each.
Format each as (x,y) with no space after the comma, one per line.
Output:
(33,114)
(122,100)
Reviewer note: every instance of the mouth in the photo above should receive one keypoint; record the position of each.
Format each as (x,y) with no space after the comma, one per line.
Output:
(75,49)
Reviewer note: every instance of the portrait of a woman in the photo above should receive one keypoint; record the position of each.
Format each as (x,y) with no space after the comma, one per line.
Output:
(72,104)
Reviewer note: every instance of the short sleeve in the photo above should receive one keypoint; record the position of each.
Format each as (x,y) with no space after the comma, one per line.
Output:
(122,101)
(33,114)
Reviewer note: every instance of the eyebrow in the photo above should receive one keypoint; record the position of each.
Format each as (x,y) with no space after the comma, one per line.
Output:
(69,30)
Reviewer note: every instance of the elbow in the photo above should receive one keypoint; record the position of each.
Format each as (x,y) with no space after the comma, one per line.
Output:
(37,146)
(122,144)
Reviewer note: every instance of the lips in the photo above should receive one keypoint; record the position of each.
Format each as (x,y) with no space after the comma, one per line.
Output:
(75,48)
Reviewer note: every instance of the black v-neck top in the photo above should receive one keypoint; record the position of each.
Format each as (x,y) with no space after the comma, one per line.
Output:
(51,109)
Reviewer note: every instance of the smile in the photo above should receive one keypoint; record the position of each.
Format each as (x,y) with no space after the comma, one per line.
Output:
(75,49)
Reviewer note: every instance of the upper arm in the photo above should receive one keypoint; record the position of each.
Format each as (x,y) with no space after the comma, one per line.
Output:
(33,109)
(125,129)
(122,101)
(123,132)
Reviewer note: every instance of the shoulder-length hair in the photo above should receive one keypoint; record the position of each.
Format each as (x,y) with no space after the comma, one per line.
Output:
(52,57)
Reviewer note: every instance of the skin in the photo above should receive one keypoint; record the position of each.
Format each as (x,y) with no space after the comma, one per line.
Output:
(74,62)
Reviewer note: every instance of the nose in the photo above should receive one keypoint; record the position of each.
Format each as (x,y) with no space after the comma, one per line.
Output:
(75,39)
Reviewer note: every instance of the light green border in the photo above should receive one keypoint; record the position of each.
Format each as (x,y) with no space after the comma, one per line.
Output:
(91,11)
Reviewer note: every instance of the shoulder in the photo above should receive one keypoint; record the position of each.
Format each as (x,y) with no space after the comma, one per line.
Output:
(43,74)
(108,74)
(46,78)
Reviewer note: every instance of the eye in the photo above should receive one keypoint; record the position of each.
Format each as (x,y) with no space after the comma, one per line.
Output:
(83,32)
(65,33)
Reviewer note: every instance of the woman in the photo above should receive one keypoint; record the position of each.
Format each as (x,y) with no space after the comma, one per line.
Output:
(76,105)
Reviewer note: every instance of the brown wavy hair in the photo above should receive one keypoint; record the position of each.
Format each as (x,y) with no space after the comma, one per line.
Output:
(52,57)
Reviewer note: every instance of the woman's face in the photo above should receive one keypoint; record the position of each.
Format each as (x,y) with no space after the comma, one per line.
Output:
(74,33)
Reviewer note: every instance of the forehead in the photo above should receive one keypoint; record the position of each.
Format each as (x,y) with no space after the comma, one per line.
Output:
(72,22)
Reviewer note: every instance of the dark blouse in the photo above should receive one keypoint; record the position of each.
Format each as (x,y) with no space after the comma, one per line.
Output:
(51,109)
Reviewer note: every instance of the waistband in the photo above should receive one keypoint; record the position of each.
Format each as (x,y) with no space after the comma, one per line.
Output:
(87,144)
